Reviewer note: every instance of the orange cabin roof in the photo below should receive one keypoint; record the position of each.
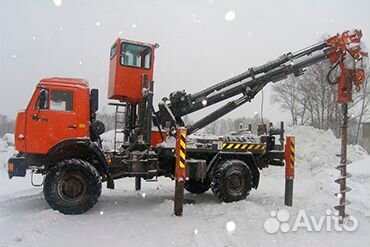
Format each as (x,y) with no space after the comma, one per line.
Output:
(62,81)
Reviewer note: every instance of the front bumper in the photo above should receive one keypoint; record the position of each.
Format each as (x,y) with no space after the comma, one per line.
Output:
(17,167)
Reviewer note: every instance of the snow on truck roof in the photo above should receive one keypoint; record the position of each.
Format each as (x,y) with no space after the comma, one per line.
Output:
(63,81)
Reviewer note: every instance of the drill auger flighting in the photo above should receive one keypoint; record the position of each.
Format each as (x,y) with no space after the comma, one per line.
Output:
(351,74)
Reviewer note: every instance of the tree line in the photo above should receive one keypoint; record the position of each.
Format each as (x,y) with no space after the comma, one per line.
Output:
(6,125)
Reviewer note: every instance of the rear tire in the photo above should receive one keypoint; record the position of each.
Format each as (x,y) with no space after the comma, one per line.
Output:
(196,186)
(232,181)
(72,186)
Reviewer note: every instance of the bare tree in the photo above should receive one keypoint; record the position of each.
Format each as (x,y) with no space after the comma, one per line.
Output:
(362,98)
(310,99)
(286,95)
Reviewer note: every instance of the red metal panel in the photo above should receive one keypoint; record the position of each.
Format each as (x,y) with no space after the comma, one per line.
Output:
(155,137)
(125,82)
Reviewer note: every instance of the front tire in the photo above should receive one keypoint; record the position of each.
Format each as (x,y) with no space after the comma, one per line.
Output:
(72,186)
(232,181)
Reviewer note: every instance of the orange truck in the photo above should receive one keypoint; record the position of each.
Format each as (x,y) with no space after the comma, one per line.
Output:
(58,135)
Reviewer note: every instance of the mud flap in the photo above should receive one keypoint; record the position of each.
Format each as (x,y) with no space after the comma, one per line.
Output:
(17,167)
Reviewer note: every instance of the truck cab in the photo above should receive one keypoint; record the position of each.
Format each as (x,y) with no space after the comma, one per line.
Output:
(58,110)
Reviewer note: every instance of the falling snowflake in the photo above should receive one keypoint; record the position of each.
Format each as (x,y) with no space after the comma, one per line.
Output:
(195,18)
(249,33)
(80,62)
(133,25)
(195,231)
(210,1)
(61,29)
(120,32)
(101,212)
(143,195)
(97,23)
(230,16)
(34,38)
(14,56)
(230,226)
(58,3)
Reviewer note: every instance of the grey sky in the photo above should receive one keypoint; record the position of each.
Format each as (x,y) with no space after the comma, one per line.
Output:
(198,46)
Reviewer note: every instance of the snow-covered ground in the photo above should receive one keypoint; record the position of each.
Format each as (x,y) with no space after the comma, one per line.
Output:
(6,149)
(125,217)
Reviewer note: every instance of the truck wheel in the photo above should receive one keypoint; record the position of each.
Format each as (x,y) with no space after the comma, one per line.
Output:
(232,181)
(196,186)
(72,186)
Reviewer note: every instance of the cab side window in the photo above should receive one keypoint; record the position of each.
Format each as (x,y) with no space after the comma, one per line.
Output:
(137,56)
(61,100)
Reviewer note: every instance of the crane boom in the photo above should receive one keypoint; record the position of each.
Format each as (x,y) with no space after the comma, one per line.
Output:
(260,69)
(252,81)
(252,88)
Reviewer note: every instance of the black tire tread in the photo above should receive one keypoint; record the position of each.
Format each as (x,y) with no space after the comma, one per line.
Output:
(57,203)
(219,177)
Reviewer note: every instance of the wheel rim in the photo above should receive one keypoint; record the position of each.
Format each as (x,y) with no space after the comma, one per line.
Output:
(235,183)
(72,187)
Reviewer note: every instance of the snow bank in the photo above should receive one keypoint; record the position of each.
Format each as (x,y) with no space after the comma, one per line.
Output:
(9,138)
(316,149)
(6,149)
(316,158)
(361,169)
(360,184)
(108,139)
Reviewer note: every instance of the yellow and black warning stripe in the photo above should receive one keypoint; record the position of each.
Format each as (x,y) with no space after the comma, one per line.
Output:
(244,146)
(182,152)
(292,152)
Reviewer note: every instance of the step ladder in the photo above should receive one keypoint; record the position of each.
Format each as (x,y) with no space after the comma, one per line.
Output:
(119,124)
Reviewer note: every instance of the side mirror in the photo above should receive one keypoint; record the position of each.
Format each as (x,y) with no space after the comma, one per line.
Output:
(43,99)
(94,100)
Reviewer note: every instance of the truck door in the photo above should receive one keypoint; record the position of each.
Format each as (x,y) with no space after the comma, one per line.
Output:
(53,117)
